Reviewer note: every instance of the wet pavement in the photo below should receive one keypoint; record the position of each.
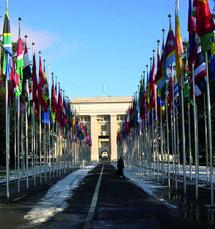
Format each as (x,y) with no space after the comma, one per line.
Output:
(120,204)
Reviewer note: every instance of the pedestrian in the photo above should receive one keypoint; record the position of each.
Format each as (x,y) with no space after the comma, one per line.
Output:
(120,167)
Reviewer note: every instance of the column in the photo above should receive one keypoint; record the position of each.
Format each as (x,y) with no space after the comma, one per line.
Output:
(113,133)
(94,137)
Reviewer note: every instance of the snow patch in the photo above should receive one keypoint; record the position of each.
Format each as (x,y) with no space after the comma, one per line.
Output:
(55,200)
(135,175)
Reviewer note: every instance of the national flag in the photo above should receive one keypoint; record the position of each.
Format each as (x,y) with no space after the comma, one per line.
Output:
(170,95)
(26,72)
(142,100)
(53,100)
(175,93)
(178,43)
(152,86)
(212,57)
(43,91)
(169,51)
(27,67)
(41,82)
(200,73)
(159,78)
(204,23)
(19,67)
(7,47)
(64,113)
(34,80)
(192,34)
(13,79)
(59,107)
(46,117)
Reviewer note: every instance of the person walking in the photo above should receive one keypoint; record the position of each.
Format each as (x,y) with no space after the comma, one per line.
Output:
(120,167)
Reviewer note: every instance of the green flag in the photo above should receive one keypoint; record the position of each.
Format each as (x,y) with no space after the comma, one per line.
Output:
(19,68)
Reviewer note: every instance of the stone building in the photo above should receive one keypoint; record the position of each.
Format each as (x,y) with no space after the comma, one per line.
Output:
(103,116)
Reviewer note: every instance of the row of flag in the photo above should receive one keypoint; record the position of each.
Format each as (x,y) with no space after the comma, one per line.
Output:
(162,80)
(30,86)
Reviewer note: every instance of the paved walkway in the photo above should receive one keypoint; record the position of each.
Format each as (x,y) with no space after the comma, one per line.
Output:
(105,200)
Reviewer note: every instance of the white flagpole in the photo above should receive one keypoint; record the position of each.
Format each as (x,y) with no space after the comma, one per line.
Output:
(183,134)
(189,138)
(44,151)
(195,137)
(161,144)
(40,145)
(7,139)
(167,139)
(15,146)
(174,130)
(18,141)
(22,137)
(34,144)
(49,124)
(26,135)
(209,132)
(206,137)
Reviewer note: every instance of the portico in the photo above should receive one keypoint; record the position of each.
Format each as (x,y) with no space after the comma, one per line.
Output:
(103,116)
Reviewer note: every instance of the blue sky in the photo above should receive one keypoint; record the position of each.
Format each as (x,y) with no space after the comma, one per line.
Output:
(91,43)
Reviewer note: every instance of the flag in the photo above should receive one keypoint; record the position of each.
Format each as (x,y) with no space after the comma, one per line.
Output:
(41,82)
(53,101)
(159,78)
(192,35)
(178,43)
(7,47)
(27,68)
(59,107)
(169,51)
(204,23)
(26,73)
(43,91)
(170,95)
(175,93)
(212,57)
(19,67)
(152,86)
(34,79)
(142,100)
(200,73)
(13,79)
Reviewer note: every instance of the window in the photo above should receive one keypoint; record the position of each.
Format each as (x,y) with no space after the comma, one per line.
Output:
(120,118)
(103,128)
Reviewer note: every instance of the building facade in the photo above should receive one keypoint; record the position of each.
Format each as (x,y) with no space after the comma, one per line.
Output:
(103,117)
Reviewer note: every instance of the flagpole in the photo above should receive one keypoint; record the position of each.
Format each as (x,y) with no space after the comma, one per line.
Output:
(209,132)
(183,134)
(22,137)
(15,145)
(174,128)
(26,136)
(18,141)
(7,139)
(161,144)
(34,144)
(195,136)
(206,137)
(189,139)
(49,128)
(33,127)
(54,137)
(156,127)
(167,139)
